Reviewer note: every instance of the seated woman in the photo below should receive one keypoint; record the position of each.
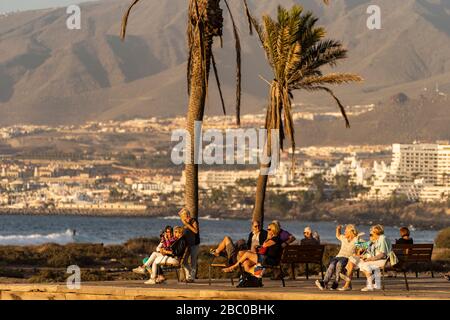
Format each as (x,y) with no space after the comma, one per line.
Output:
(404,237)
(170,256)
(348,246)
(267,254)
(286,237)
(167,239)
(371,261)
(256,237)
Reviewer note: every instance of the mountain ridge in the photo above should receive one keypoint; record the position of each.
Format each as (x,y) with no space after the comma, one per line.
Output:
(51,75)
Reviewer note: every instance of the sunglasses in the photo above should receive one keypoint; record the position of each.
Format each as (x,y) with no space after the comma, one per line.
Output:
(269,229)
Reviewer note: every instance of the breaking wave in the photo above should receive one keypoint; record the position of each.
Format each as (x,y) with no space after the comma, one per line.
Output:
(32,239)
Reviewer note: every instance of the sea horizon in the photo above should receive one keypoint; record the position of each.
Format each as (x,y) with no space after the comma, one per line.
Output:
(35,230)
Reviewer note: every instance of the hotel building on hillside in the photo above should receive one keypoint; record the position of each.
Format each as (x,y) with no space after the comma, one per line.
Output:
(420,171)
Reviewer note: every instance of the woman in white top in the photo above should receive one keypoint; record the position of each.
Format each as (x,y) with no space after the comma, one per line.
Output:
(348,245)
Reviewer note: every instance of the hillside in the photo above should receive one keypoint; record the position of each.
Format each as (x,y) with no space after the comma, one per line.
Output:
(51,75)
(424,119)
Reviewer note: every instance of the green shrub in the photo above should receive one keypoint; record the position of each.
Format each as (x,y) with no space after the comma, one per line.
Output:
(443,238)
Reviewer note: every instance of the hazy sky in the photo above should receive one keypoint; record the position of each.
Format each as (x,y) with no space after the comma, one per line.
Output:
(12,5)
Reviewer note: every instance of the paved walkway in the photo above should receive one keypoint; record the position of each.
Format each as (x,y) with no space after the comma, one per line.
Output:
(422,288)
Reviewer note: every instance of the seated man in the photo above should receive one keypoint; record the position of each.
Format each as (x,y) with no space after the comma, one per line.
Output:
(267,254)
(309,239)
(170,256)
(255,238)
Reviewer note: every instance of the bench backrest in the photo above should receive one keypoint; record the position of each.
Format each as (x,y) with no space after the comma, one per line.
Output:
(303,254)
(412,253)
(185,256)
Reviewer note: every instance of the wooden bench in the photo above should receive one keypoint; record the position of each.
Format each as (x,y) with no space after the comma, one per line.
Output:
(214,264)
(177,267)
(409,257)
(303,254)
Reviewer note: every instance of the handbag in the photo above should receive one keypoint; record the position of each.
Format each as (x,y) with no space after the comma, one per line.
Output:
(247,280)
(393,258)
(262,250)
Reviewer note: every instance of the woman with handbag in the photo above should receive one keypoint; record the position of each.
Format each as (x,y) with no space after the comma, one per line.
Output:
(267,254)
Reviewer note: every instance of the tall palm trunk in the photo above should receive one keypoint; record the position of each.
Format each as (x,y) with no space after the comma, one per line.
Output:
(205,22)
(261,185)
(196,108)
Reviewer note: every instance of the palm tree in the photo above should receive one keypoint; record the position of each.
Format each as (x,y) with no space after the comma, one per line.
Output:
(205,23)
(296,51)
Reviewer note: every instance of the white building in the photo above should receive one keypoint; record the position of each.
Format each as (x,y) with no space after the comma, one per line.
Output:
(352,167)
(419,171)
(428,161)
(214,179)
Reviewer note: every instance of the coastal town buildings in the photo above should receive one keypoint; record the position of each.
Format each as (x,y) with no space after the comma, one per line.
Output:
(113,181)
(419,171)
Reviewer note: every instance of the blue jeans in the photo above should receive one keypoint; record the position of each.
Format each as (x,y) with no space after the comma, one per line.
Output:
(190,268)
(337,264)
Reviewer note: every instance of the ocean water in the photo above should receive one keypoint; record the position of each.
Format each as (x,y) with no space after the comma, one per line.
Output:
(30,230)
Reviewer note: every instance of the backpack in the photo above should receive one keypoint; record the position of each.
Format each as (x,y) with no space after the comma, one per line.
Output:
(249,281)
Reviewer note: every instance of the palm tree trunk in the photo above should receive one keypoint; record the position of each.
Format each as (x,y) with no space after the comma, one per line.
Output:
(195,113)
(200,55)
(261,186)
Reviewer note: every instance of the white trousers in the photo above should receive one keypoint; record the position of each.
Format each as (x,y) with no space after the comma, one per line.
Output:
(373,266)
(152,258)
(162,260)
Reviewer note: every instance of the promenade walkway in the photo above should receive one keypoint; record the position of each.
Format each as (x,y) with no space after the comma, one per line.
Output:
(422,288)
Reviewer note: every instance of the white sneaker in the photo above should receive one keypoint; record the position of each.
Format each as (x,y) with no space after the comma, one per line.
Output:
(345,289)
(377,287)
(319,285)
(140,270)
(367,289)
(150,281)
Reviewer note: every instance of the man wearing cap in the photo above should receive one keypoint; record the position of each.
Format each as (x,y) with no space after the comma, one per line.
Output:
(309,239)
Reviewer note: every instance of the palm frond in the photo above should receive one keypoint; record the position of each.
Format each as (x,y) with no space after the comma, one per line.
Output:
(123,29)
(270,41)
(249,17)
(238,66)
(340,105)
(331,78)
(219,87)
